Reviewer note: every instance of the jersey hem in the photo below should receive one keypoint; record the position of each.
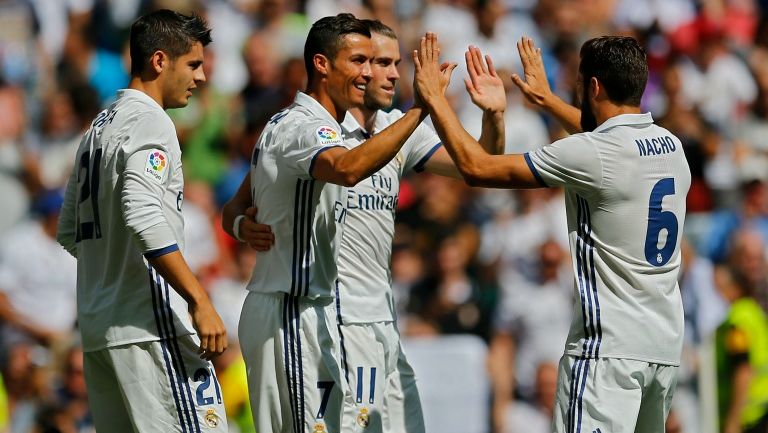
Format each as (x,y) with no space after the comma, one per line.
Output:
(633,357)
(113,344)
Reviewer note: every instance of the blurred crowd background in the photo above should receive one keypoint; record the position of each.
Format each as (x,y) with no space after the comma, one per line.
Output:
(490,264)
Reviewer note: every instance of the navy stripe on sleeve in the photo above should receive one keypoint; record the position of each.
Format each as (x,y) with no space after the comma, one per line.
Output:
(161,251)
(419,167)
(314,158)
(534,171)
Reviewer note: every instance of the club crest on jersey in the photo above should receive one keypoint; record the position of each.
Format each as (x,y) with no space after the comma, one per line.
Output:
(212,418)
(156,166)
(328,135)
(363,419)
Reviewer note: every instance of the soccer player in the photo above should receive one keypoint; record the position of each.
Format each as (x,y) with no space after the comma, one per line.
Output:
(625,182)
(288,330)
(139,305)
(381,380)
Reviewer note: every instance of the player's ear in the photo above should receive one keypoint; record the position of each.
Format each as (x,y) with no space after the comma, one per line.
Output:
(595,88)
(321,64)
(158,61)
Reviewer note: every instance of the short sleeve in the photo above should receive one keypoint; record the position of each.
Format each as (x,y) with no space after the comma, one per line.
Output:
(312,139)
(420,146)
(572,161)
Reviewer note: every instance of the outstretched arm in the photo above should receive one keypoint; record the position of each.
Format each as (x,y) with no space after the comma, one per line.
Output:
(536,89)
(476,166)
(487,92)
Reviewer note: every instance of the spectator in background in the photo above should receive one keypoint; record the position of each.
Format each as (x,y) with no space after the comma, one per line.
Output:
(741,341)
(531,326)
(534,416)
(452,299)
(25,250)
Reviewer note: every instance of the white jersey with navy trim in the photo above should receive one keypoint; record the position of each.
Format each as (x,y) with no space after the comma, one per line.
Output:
(626,185)
(122,203)
(365,294)
(303,260)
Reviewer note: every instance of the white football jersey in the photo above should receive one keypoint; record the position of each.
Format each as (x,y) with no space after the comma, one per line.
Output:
(303,260)
(365,293)
(122,204)
(625,185)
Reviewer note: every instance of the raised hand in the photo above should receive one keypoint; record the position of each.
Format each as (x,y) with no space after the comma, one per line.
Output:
(483,85)
(431,78)
(535,86)
(257,236)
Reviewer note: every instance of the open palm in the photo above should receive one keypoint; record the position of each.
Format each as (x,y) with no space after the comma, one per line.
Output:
(484,86)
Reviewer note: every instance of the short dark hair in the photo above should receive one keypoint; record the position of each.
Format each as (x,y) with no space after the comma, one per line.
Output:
(326,37)
(619,63)
(376,26)
(167,31)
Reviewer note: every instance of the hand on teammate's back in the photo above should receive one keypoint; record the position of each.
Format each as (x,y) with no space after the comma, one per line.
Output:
(210,329)
(257,236)
(431,78)
(535,87)
(484,85)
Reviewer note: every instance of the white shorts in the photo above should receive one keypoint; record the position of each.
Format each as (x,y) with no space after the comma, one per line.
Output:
(381,381)
(154,386)
(612,395)
(294,378)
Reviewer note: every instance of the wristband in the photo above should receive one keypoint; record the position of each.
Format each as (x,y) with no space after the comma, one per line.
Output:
(236,228)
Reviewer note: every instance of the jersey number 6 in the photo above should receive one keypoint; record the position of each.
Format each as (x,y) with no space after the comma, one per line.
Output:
(659,220)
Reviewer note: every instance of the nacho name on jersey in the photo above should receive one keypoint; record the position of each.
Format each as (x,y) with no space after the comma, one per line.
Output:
(157,165)
(655,146)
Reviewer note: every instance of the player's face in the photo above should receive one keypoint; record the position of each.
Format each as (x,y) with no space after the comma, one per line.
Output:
(350,71)
(184,74)
(386,57)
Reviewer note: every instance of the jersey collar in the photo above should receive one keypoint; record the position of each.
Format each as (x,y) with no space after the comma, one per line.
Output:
(625,120)
(350,125)
(313,106)
(123,93)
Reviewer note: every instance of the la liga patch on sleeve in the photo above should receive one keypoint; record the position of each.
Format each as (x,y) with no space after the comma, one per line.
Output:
(327,135)
(157,165)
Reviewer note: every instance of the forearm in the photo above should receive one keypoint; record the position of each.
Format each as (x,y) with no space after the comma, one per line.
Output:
(567,115)
(236,206)
(741,380)
(173,268)
(359,163)
(465,151)
(492,137)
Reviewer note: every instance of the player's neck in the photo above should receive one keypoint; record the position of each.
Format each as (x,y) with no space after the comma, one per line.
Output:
(608,110)
(365,117)
(150,88)
(321,96)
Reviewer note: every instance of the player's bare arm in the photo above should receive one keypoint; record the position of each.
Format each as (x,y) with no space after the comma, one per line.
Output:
(246,229)
(476,166)
(536,89)
(486,90)
(210,328)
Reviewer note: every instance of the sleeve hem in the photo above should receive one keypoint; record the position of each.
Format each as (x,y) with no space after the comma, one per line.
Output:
(314,158)
(535,172)
(419,167)
(161,251)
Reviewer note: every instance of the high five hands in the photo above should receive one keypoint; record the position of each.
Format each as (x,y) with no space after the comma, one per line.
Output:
(431,78)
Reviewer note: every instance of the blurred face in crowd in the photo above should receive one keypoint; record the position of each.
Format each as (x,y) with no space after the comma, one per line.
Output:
(386,56)
(349,72)
(181,75)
